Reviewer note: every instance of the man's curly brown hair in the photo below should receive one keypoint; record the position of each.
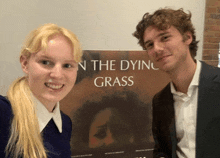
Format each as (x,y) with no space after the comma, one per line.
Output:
(163,19)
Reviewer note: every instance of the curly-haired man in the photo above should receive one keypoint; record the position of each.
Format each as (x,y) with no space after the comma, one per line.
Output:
(186,117)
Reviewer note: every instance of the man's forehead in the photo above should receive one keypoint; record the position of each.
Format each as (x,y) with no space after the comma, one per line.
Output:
(156,29)
(152,32)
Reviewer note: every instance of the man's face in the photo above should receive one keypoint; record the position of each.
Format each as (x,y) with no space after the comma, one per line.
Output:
(166,48)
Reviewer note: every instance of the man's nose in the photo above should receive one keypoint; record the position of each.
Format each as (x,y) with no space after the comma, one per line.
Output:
(158,47)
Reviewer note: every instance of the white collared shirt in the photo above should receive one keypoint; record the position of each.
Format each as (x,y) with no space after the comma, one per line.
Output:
(44,116)
(185,106)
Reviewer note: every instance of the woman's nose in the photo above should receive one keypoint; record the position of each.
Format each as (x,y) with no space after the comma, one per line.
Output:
(56,72)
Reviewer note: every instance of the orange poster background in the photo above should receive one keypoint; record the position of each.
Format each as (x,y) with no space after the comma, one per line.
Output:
(146,83)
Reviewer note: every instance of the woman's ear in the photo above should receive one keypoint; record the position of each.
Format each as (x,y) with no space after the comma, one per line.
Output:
(24,63)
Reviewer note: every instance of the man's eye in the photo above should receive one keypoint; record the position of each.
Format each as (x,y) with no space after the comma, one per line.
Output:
(165,38)
(149,46)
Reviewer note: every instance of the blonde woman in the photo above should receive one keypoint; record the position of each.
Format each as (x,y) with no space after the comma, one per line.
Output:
(31,123)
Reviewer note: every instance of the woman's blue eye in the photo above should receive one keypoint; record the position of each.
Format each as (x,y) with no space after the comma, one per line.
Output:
(67,65)
(45,62)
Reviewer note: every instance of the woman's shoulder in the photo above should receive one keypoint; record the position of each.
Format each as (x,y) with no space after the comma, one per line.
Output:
(5,123)
(4,101)
(65,117)
(67,123)
(5,106)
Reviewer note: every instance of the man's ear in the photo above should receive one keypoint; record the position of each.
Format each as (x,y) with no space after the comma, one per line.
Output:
(187,38)
(24,63)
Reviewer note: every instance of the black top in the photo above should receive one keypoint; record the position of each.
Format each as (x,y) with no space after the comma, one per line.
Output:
(57,144)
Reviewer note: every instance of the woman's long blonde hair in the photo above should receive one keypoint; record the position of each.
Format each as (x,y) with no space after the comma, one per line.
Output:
(25,138)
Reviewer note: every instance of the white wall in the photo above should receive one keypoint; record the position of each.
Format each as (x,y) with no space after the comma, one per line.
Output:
(99,24)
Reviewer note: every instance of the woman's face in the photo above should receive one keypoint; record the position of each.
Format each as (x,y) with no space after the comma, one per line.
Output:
(51,73)
(109,129)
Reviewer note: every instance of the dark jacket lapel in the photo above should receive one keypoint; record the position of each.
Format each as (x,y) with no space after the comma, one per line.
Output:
(172,126)
(167,102)
(208,111)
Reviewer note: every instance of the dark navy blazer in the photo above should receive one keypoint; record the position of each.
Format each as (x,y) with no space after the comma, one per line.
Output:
(208,118)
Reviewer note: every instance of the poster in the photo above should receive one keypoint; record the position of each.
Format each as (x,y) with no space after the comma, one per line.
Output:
(110,104)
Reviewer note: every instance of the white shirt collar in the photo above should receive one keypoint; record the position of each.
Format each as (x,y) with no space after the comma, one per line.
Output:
(195,80)
(44,116)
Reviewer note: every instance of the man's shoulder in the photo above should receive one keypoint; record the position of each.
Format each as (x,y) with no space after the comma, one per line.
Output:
(164,95)
(209,69)
(165,91)
(210,72)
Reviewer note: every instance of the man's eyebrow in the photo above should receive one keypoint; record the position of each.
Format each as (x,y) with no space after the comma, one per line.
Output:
(159,35)
(163,33)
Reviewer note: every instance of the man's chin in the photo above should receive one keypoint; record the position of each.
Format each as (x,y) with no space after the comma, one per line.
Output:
(166,68)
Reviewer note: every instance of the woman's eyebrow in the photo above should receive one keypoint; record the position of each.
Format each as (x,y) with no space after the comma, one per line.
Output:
(70,61)
(44,56)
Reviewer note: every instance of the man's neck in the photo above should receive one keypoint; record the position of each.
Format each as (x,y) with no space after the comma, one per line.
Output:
(183,75)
